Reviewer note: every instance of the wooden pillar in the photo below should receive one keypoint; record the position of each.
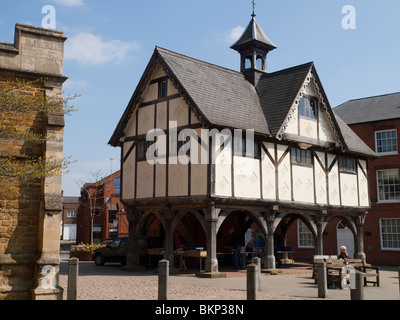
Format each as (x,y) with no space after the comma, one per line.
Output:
(271,262)
(132,258)
(211,265)
(169,237)
(360,254)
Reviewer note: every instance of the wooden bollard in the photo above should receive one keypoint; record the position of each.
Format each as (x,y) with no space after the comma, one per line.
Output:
(257,262)
(252,282)
(358,292)
(322,280)
(163,279)
(73,272)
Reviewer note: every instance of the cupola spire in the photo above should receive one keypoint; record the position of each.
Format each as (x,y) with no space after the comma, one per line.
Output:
(253,47)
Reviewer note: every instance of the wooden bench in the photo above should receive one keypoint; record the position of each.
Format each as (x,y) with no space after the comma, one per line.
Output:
(335,271)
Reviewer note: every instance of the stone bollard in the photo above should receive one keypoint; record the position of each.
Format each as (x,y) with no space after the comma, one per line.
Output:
(73,271)
(257,262)
(358,292)
(252,282)
(163,279)
(322,280)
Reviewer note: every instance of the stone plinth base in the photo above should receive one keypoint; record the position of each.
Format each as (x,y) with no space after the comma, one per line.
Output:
(211,275)
(48,294)
(272,272)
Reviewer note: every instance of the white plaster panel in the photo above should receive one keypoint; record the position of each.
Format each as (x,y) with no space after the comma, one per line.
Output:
(128,180)
(150,93)
(145,119)
(320,182)
(333,179)
(145,172)
(268,177)
(308,128)
(363,186)
(247,177)
(284,176)
(223,172)
(303,185)
(177,179)
(348,187)
(162,113)
(160,183)
(325,129)
(179,112)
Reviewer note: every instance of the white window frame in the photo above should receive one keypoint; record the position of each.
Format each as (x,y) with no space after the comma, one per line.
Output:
(393,233)
(300,233)
(390,152)
(377,186)
(69,215)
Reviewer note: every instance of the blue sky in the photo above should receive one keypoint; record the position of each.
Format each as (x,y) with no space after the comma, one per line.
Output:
(110,43)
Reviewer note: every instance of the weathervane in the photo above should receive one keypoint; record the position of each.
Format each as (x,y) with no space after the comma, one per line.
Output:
(254,6)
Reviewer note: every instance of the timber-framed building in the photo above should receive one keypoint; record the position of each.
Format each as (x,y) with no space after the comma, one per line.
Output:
(303,163)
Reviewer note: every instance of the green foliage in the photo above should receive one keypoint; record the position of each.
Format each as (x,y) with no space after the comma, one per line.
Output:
(24,109)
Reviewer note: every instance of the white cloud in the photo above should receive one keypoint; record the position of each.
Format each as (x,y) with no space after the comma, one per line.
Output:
(234,34)
(88,48)
(70,3)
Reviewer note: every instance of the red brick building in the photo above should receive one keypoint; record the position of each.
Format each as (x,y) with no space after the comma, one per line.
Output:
(69,213)
(101,200)
(376,120)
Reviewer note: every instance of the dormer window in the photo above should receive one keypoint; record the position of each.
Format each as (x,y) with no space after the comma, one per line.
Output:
(162,89)
(308,107)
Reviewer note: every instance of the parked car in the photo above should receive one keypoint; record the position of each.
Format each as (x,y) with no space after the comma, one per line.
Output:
(116,251)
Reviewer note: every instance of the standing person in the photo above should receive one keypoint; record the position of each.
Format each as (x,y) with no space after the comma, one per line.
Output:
(237,247)
(179,243)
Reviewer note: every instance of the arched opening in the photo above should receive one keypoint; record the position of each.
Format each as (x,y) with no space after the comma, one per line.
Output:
(296,236)
(247,229)
(151,239)
(247,63)
(260,63)
(189,232)
(345,238)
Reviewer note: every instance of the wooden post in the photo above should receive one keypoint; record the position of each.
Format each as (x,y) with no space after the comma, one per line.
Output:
(163,279)
(358,292)
(73,271)
(252,282)
(322,280)
(257,262)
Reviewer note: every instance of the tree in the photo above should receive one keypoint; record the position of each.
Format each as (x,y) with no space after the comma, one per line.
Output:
(24,109)
(92,197)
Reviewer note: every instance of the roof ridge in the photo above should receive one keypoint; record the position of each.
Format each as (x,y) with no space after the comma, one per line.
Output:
(201,61)
(377,96)
(311,63)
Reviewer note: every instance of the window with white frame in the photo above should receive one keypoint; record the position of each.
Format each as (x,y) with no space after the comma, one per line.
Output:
(388,185)
(386,142)
(71,214)
(305,238)
(390,234)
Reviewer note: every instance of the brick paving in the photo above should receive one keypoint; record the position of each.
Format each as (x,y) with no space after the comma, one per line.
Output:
(100,287)
(109,282)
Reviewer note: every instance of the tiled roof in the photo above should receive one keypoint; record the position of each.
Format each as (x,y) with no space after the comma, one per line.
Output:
(370,109)
(253,33)
(353,141)
(223,96)
(277,92)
